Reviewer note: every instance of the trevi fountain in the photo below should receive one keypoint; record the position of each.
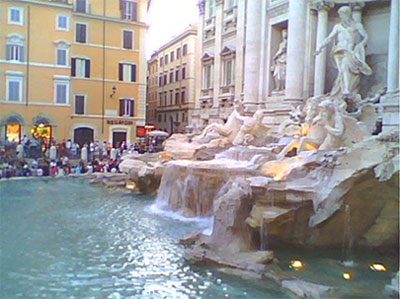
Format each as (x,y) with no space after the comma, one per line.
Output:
(312,203)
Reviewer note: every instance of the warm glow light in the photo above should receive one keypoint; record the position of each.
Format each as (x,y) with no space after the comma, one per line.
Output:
(304,130)
(347,276)
(130,186)
(297,264)
(377,267)
(41,125)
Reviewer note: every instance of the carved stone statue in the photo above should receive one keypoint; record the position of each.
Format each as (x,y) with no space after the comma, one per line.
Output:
(326,127)
(251,130)
(279,64)
(348,53)
(227,130)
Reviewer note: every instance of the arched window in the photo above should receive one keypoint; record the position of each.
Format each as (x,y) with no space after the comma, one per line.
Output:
(15,48)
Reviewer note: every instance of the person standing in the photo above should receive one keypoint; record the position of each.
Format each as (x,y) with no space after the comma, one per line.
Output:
(20,151)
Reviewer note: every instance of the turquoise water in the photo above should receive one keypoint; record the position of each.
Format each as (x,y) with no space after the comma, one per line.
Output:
(67,239)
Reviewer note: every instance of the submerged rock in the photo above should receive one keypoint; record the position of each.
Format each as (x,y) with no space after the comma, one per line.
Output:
(305,289)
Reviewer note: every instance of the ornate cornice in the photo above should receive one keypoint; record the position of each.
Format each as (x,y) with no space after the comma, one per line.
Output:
(323,5)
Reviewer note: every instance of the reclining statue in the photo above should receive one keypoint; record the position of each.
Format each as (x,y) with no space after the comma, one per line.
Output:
(225,131)
(251,129)
(326,127)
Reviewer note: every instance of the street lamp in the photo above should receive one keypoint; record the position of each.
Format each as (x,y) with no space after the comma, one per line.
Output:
(114,90)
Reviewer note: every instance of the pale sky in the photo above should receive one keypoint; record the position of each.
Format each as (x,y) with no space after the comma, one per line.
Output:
(168,18)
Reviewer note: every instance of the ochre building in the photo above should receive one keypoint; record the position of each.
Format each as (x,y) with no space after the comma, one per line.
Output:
(72,69)
(171,83)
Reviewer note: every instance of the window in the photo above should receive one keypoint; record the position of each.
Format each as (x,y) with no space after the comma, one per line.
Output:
(177,98)
(81,6)
(183,117)
(62,92)
(15,88)
(207,76)
(62,55)
(165,117)
(177,75)
(159,118)
(81,33)
(160,81)
(228,74)
(183,73)
(16,16)
(80,67)
(171,97)
(230,3)
(160,99)
(126,107)
(63,22)
(15,53)
(183,97)
(128,39)
(172,56)
(79,104)
(128,10)
(161,61)
(184,50)
(127,72)
(171,77)
(178,53)
(211,8)
(165,79)
(166,59)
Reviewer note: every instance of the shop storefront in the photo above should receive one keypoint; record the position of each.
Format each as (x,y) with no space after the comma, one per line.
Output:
(42,130)
(13,129)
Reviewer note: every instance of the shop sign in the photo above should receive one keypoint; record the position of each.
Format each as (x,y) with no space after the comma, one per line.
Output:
(141,131)
(119,122)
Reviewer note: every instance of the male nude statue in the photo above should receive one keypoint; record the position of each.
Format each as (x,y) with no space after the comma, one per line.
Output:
(348,53)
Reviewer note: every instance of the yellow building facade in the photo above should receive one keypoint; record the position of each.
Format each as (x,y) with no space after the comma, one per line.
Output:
(171,83)
(72,69)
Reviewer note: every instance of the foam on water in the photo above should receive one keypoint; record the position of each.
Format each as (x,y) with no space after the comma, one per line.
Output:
(205,223)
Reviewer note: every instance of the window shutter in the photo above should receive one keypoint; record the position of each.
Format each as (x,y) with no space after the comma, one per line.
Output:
(121,72)
(132,110)
(22,54)
(134,11)
(73,67)
(133,73)
(87,68)
(127,39)
(9,52)
(121,107)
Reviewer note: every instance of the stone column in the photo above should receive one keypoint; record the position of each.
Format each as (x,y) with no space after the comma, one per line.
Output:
(194,115)
(357,11)
(252,56)
(391,99)
(219,14)
(320,60)
(393,51)
(296,49)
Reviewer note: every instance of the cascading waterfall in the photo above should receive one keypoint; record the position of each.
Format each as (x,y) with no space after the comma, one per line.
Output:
(347,247)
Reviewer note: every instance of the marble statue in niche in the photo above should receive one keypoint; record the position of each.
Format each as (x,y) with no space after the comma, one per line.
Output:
(348,54)
(279,65)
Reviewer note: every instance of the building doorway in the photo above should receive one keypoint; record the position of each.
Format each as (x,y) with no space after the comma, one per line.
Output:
(13,129)
(83,135)
(118,138)
(13,132)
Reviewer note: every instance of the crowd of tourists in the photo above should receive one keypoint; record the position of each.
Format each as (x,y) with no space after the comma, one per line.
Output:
(49,158)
